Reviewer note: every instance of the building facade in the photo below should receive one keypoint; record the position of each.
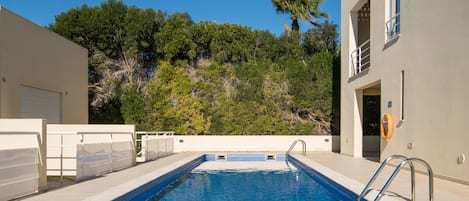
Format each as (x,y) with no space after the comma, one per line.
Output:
(42,75)
(407,58)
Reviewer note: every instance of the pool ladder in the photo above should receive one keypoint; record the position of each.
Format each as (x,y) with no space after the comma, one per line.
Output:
(303,152)
(405,160)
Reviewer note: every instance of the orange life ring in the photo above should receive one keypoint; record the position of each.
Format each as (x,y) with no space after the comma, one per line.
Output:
(387,127)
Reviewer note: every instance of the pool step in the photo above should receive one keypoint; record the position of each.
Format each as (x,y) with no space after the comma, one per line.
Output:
(244,157)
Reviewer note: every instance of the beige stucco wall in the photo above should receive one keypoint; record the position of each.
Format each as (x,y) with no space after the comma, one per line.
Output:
(23,140)
(33,56)
(432,51)
(183,143)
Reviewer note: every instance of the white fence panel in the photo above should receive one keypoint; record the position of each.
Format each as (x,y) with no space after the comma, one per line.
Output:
(155,147)
(150,149)
(87,151)
(161,149)
(155,144)
(93,160)
(169,145)
(19,172)
(122,155)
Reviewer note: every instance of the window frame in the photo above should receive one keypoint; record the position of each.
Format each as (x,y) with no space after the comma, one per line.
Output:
(393,20)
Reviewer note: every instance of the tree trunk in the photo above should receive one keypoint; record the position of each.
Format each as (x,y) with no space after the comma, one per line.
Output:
(294,24)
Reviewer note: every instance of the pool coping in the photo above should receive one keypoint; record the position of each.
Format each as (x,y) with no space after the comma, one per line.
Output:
(347,182)
(117,184)
(121,190)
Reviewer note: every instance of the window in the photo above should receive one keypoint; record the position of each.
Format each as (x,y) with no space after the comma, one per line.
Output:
(393,19)
(402,96)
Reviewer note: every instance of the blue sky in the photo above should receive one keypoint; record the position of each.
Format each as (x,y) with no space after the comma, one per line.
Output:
(257,14)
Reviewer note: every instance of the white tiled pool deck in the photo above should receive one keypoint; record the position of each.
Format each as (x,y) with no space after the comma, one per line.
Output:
(361,170)
(112,185)
(353,172)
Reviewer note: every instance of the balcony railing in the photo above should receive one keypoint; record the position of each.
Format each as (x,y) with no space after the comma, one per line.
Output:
(393,27)
(360,58)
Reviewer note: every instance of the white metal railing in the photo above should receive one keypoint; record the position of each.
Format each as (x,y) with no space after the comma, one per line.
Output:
(360,58)
(393,27)
(404,161)
(367,188)
(399,167)
(149,141)
(303,151)
(81,142)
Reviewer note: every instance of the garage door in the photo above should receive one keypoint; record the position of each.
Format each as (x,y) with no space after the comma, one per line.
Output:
(38,103)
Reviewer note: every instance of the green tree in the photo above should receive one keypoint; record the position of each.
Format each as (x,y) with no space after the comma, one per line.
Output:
(164,72)
(261,45)
(173,103)
(202,36)
(133,107)
(321,39)
(288,46)
(229,43)
(306,10)
(120,47)
(174,41)
(321,108)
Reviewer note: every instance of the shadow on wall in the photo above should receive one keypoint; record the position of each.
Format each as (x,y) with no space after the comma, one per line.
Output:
(336,143)
(335,116)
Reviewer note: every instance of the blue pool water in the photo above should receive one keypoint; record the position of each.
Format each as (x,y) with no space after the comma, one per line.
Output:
(183,183)
(245,185)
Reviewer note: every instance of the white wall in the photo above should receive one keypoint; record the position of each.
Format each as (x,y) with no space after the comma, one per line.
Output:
(431,50)
(184,143)
(33,56)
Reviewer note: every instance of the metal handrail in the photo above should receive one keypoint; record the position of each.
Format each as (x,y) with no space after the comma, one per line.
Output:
(360,58)
(293,146)
(367,189)
(82,141)
(405,161)
(146,133)
(399,167)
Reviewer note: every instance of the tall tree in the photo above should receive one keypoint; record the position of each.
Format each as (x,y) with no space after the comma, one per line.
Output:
(321,39)
(173,104)
(120,47)
(173,41)
(306,10)
(239,81)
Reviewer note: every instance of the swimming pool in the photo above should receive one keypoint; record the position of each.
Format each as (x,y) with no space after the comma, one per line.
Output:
(189,183)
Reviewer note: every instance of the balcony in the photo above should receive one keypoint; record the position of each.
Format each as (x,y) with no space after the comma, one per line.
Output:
(360,58)
(393,27)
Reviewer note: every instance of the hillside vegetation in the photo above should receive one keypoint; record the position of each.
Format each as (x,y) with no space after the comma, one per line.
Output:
(167,72)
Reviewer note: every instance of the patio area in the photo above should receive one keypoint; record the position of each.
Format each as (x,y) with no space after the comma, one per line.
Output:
(358,169)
